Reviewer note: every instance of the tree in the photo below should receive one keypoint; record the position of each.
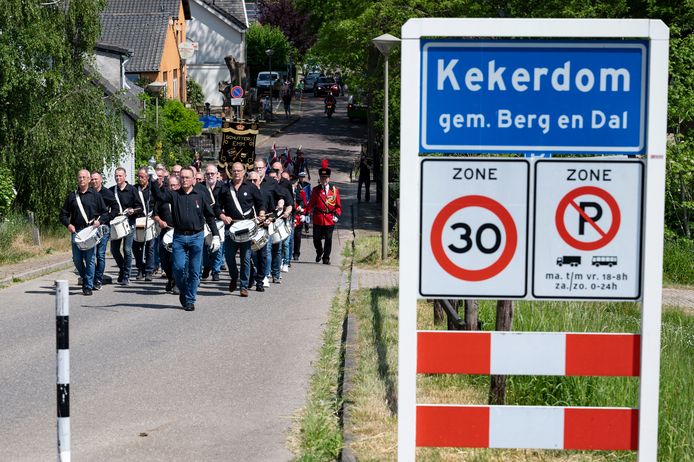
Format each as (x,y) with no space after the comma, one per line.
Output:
(293,24)
(54,119)
(260,38)
(166,142)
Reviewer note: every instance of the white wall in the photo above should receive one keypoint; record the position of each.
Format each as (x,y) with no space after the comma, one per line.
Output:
(216,39)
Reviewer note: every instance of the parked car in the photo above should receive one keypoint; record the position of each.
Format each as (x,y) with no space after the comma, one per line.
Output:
(324,85)
(356,110)
(265,80)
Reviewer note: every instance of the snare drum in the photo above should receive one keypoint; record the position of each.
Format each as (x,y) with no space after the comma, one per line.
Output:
(89,237)
(167,240)
(283,229)
(259,239)
(242,231)
(120,227)
(144,229)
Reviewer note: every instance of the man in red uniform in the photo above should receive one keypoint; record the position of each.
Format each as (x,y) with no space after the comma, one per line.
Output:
(326,208)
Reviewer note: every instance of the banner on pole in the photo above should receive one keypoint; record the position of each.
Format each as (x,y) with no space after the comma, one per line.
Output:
(238,145)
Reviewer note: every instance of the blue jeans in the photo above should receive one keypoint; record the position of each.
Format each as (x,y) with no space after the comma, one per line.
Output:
(230,250)
(144,256)
(84,262)
(214,260)
(124,260)
(187,258)
(288,249)
(274,259)
(101,257)
(155,253)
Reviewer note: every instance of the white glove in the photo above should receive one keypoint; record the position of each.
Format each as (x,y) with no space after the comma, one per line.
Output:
(214,246)
(151,172)
(335,219)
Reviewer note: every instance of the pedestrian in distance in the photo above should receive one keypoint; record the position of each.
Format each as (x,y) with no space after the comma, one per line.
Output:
(287,101)
(364,178)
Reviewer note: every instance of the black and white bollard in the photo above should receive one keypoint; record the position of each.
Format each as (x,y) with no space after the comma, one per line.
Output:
(62,317)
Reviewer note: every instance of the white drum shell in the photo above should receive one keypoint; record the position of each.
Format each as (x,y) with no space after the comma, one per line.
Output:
(259,239)
(88,238)
(243,231)
(120,227)
(283,229)
(144,229)
(167,239)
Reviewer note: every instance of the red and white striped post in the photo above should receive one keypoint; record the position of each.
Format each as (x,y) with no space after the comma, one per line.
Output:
(62,317)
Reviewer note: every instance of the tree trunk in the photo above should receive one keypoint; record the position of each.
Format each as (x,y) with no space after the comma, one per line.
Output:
(439,313)
(504,322)
(471,319)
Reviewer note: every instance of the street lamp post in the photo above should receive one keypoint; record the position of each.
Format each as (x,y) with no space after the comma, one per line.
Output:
(384,43)
(269,52)
(156,88)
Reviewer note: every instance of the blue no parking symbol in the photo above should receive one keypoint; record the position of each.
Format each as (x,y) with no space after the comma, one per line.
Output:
(237,92)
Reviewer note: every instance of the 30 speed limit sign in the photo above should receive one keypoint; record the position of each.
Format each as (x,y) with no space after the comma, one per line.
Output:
(474,227)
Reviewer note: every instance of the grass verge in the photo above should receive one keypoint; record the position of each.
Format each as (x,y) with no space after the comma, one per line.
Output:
(17,244)
(367,253)
(317,435)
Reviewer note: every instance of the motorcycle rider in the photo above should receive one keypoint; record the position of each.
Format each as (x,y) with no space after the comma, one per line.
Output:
(329,99)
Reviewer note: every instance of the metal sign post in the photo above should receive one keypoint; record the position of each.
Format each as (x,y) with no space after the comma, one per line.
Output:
(524,86)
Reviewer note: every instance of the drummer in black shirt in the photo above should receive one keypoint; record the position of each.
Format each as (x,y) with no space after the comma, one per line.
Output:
(126,203)
(189,212)
(241,201)
(72,217)
(97,184)
(162,216)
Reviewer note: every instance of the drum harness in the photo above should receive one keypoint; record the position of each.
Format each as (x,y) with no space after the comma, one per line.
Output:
(144,207)
(79,204)
(232,190)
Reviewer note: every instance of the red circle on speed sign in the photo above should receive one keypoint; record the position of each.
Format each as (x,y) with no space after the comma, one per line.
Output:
(437,238)
(605,236)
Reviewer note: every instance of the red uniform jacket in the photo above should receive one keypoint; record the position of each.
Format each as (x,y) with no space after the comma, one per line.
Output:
(324,206)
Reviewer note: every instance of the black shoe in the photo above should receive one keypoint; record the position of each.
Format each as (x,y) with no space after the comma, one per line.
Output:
(189,307)
(182,300)
(97,286)
(326,261)
(215,276)
(174,290)
(169,286)
(86,291)
(296,257)
(259,287)
(232,285)
(205,272)
(120,278)
(148,276)
(223,268)
(140,275)
(125,282)
(319,256)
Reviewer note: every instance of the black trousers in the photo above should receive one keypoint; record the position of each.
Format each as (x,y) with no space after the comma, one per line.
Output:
(366,181)
(320,233)
(297,240)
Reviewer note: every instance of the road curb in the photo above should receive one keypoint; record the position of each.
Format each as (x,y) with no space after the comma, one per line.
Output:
(37,272)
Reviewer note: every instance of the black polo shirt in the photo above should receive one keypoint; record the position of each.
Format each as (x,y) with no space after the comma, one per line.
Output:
(189,211)
(94,208)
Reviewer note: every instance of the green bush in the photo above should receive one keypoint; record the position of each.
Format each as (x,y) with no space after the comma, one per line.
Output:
(194,93)
(678,261)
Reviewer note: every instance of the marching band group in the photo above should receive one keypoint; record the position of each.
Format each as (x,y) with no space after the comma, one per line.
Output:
(257,216)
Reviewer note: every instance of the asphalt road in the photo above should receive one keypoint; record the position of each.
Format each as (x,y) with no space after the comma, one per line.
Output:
(152,382)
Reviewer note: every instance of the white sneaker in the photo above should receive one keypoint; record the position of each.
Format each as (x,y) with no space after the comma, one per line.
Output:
(285,268)
(266,282)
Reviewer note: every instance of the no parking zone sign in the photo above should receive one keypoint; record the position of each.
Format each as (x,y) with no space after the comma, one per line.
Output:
(474,225)
(587,229)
